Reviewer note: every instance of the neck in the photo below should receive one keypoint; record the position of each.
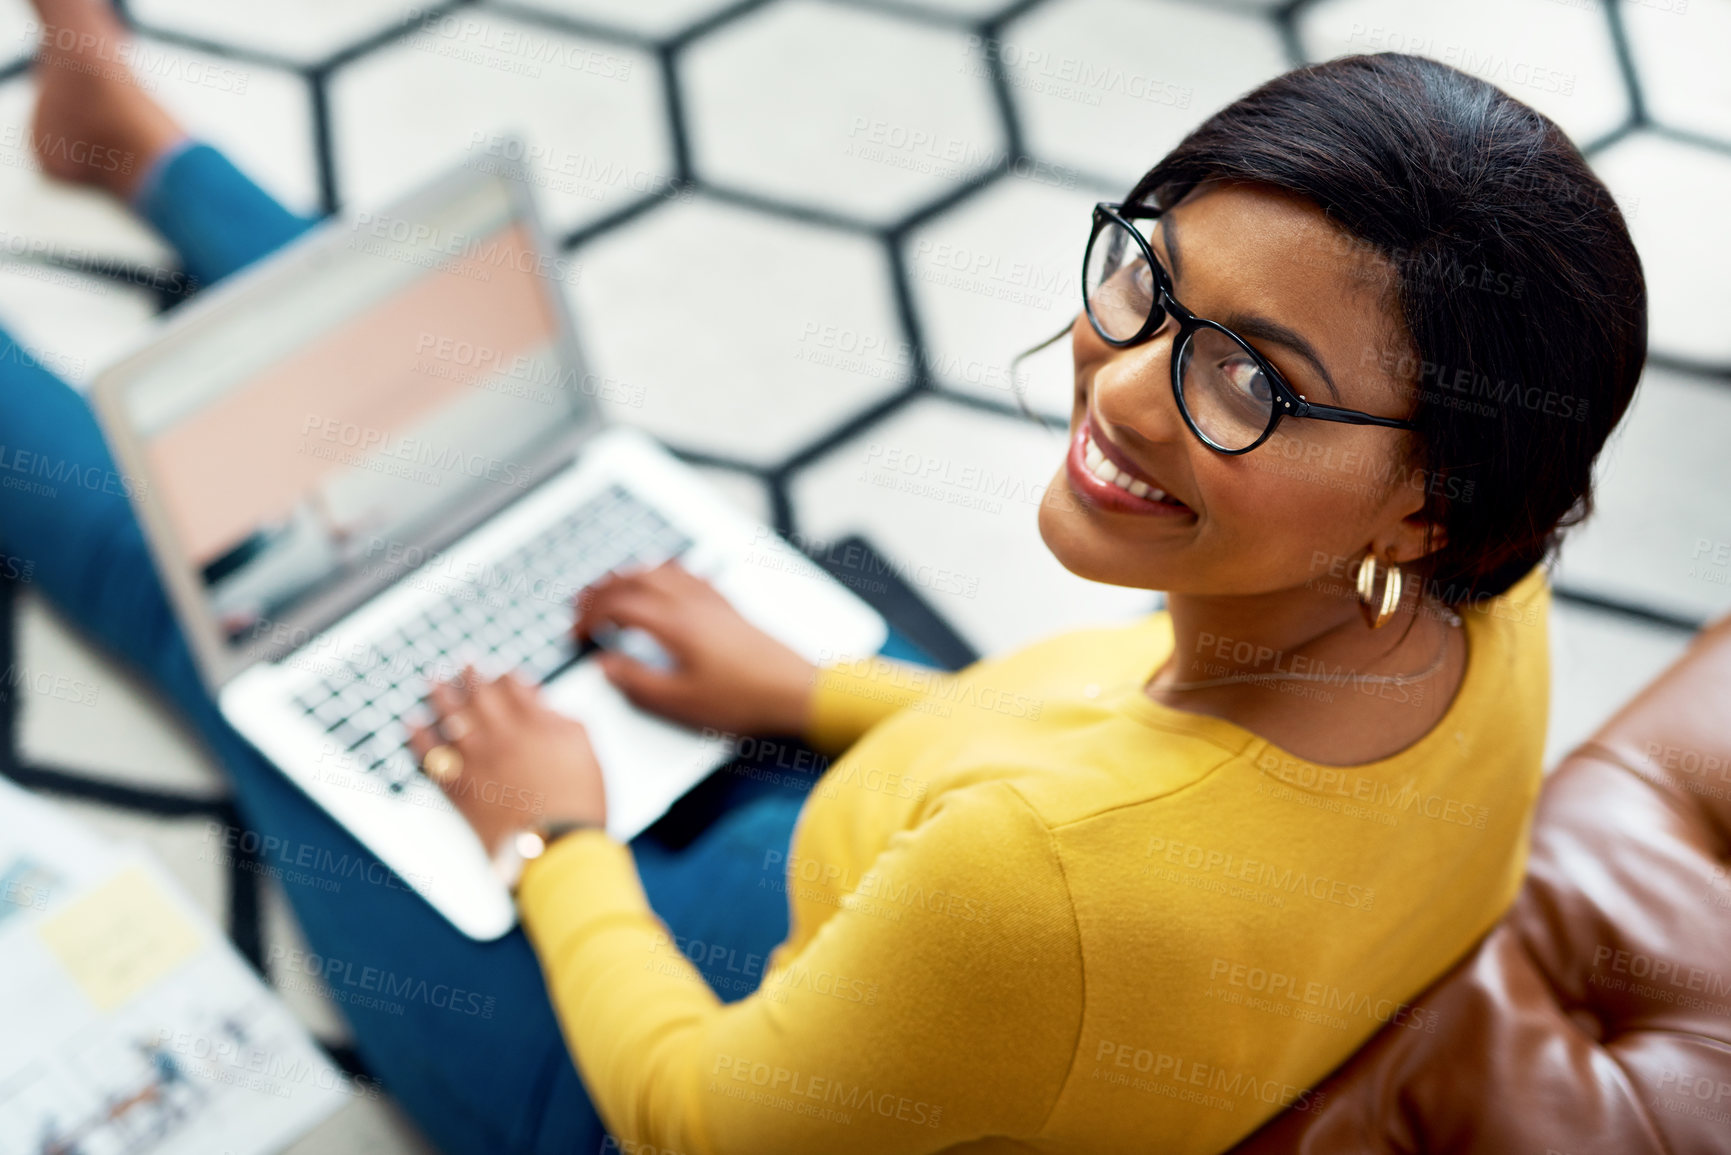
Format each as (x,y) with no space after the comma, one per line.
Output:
(1287,631)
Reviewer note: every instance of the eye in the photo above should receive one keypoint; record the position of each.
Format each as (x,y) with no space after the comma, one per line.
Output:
(1144,278)
(1246,377)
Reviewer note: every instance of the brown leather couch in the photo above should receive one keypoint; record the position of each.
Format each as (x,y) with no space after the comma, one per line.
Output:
(1596,1017)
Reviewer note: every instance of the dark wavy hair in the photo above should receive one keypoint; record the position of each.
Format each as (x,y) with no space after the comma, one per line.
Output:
(1509,263)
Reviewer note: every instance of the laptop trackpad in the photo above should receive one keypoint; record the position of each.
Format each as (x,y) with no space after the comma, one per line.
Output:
(647,763)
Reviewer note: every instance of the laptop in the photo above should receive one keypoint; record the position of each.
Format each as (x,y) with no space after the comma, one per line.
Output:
(376,456)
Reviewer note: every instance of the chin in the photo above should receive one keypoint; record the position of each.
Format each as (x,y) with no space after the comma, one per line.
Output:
(1083,548)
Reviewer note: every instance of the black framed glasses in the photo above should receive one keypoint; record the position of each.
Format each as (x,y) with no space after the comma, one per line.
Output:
(1229,394)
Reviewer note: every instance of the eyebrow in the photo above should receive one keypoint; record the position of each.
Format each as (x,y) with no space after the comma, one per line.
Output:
(1252,325)
(1169,234)
(1274,332)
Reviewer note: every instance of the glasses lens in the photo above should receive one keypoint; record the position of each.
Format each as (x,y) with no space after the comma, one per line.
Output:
(1119,287)
(1224,390)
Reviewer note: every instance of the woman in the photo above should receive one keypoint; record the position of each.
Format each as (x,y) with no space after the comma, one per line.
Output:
(1346,359)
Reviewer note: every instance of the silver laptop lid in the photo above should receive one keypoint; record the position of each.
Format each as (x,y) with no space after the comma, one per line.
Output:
(303,434)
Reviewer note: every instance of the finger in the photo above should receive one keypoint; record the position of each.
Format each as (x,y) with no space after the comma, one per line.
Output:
(594,589)
(453,706)
(681,584)
(671,579)
(459,789)
(422,739)
(624,609)
(593,601)
(523,697)
(644,686)
(446,698)
(626,577)
(492,708)
(669,575)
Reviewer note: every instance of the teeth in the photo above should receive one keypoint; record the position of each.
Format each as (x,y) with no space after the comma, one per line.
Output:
(1101,466)
(1097,462)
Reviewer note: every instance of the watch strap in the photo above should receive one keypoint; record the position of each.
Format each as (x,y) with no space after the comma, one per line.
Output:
(552,832)
(509,861)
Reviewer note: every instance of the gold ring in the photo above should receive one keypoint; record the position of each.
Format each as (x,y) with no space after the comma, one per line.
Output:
(443,763)
(455,726)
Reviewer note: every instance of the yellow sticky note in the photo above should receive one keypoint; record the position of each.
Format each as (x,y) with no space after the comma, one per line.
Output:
(121,937)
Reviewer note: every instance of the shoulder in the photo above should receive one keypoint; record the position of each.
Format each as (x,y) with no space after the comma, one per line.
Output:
(973,821)
(1524,603)
(1510,637)
(981,854)
(1063,661)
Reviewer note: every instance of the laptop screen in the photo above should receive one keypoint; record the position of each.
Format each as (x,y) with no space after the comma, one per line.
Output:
(322,428)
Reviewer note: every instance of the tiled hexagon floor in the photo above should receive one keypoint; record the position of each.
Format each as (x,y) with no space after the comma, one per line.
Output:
(858,213)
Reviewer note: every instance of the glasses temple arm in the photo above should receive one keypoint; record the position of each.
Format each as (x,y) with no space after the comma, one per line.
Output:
(1347,416)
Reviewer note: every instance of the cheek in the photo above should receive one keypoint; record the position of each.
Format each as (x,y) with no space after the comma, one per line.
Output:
(1293,495)
(1086,350)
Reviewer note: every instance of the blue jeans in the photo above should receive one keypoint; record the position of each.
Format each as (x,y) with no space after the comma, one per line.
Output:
(486,1072)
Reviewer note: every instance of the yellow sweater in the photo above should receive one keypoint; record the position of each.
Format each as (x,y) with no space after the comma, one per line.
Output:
(1033,910)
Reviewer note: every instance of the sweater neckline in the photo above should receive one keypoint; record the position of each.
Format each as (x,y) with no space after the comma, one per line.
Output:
(1468,702)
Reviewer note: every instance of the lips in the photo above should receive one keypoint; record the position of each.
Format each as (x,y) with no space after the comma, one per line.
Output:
(1101,472)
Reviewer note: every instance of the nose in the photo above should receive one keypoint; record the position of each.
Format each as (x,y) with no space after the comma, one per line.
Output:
(1132,389)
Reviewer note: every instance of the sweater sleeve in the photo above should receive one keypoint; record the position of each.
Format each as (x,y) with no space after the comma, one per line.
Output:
(850,698)
(939,1004)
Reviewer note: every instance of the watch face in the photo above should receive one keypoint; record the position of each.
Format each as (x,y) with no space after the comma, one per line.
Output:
(513,854)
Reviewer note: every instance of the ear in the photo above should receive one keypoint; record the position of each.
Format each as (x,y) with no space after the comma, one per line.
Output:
(1414,536)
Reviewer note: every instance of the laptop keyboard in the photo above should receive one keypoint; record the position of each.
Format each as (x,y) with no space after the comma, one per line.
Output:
(516,615)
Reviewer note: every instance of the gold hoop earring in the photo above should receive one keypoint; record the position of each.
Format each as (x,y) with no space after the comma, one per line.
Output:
(1385,606)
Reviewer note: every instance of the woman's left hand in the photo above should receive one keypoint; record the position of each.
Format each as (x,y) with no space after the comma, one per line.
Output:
(520,762)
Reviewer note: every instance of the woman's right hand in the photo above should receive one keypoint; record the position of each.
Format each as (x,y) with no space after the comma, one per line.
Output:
(726,673)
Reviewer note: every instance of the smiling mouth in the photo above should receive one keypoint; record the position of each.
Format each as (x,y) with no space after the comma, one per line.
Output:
(1110,469)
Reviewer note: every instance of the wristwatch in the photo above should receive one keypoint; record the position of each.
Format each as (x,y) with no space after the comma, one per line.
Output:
(524,846)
